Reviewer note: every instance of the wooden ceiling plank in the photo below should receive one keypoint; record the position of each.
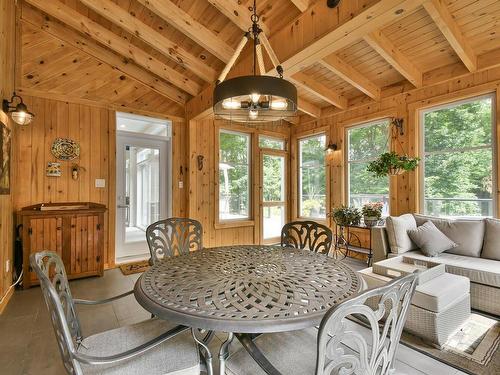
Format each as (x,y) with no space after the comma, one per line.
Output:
(183,22)
(130,23)
(237,13)
(380,43)
(345,71)
(102,54)
(308,108)
(301,5)
(114,42)
(318,89)
(445,22)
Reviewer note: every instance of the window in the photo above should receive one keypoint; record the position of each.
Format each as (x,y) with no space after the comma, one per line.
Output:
(271,142)
(312,177)
(234,175)
(458,177)
(365,143)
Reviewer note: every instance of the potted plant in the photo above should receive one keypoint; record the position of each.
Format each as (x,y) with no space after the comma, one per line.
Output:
(392,164)
(372,212)
(345,215)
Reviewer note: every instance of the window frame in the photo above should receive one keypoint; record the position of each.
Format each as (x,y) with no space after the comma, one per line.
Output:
(274,138)
(299,175)
(347,163)
(246,221)
(494,147)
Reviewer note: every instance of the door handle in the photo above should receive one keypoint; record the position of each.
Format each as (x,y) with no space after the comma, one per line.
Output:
(122,206)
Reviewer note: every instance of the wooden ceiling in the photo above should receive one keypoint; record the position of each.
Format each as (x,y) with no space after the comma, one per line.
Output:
(154,55)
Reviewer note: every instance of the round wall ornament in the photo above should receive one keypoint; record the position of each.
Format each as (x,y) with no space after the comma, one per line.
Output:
(65,149)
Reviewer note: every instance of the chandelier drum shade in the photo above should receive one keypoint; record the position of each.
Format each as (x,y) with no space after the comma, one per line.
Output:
(254,98)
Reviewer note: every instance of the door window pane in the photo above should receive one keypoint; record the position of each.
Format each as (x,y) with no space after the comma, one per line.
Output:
(271,142)
(273,178)
(273,221)
(312,177)
(458,159)
(365,143)
(234,175)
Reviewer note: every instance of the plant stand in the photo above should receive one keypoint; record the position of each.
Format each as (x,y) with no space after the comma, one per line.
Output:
(346,241)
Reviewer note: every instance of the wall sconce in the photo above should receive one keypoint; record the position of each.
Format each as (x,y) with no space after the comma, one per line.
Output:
(331,147)
(398,124)
(200,159)
(19,113)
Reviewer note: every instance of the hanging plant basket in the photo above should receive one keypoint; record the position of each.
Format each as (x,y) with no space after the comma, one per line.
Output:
(392,164)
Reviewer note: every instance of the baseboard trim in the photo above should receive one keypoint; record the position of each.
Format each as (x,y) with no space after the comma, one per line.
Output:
(6,299)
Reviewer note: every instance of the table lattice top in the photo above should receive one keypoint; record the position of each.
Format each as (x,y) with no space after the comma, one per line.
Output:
(246,288)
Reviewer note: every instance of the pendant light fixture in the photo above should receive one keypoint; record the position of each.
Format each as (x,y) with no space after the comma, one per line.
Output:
(254,98)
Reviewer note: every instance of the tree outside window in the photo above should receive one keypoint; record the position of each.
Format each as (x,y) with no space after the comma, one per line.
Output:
(458,178)
(234,175)
(312,177)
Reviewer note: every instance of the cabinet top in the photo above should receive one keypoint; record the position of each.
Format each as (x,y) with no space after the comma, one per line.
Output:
(68,207)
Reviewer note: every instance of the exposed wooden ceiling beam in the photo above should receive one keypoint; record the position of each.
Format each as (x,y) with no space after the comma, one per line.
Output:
(351,75)
(237,13)
(301,5)
(85,44)
(445,22)
(320,90)
(106,37)
(183,22)
(385,48)
(119,16)
(308,108)
(347,33)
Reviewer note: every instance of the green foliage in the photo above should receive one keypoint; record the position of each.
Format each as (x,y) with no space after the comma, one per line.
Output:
(345,215)
(312,177)
(388,162)
(373,209)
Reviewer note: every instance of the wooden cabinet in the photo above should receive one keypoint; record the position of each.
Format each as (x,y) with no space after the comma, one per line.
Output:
(74,230)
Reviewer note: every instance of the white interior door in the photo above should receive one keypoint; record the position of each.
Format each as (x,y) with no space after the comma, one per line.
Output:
(141,191)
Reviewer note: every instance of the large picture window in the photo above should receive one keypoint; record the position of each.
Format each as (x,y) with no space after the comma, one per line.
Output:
(458,148)
(234,175)
(365,143)
(312,177)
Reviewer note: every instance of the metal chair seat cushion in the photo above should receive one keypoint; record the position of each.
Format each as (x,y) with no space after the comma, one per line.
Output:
(178,355)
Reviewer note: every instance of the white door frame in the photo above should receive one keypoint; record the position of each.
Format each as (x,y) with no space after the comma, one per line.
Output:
(164,144)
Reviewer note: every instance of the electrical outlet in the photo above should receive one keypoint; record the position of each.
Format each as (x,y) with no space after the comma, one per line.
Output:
(7,265)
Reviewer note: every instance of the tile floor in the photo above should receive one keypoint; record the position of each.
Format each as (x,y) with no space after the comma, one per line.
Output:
(28,346)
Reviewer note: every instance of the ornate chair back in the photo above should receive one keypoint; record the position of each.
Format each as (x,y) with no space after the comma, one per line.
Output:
(49,268)
(173,236)
(386,321)
(307,234)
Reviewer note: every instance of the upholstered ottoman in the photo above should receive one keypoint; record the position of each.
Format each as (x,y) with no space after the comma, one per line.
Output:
(438,308)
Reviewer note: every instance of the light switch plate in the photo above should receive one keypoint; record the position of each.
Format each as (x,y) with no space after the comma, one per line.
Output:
(100,183)
(181,184)
(7,266)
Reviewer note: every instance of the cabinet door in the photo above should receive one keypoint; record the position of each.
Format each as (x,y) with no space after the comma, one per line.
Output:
(45,234)
(85,255)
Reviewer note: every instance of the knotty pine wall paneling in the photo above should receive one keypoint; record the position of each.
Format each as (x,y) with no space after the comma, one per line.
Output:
(7,50)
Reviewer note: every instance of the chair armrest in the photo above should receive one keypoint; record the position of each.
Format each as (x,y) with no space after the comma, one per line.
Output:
(141,349)
(380,244)
(98,302)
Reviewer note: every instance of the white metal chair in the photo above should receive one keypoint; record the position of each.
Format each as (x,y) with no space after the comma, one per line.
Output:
(338,347)
(150,347)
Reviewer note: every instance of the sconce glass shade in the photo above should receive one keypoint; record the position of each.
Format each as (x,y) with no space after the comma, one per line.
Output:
(19,114)
(255,99)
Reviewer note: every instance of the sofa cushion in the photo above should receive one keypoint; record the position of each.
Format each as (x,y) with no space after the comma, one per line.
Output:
(430,240)
(397,228)
(478,270)
(491,246)
(468,234)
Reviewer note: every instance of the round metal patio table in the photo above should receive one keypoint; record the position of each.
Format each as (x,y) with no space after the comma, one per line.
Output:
(245,289)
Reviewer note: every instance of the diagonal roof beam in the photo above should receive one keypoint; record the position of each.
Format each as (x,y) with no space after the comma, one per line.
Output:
(119,16)
(85,44)
(385,48)
(183,22)
(445,22)
(320,90)
(114,42)
(345,71)
(301,5)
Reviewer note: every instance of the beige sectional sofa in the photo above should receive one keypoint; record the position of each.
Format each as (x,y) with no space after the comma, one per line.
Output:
(476,257)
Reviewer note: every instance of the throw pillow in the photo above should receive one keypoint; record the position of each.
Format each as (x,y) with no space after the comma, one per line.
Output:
(430,239)
(491,247)
(397,233)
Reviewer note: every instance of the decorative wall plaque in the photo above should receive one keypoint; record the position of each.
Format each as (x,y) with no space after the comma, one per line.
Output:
(53,170)
(65,149)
